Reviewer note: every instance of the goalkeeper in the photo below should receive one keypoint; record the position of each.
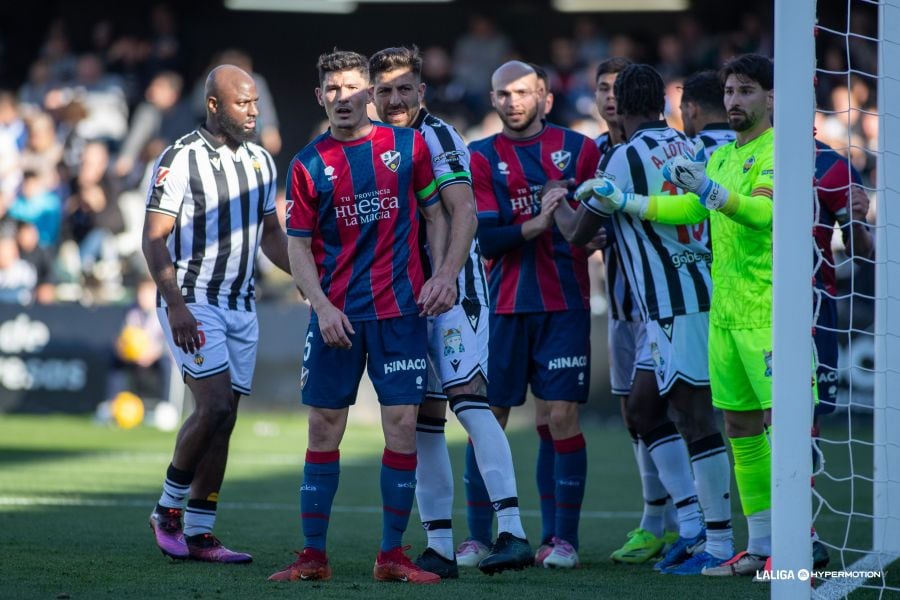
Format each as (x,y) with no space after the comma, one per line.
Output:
(734,190)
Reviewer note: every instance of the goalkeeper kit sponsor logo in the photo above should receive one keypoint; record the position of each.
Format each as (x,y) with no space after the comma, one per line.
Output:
(688,258)
(567,362)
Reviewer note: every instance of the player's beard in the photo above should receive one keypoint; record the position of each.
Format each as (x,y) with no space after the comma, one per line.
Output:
(742,122)
(525,125)
(234,130)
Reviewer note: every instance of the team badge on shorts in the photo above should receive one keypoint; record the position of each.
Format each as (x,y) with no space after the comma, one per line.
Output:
(198,359)
(391,160)
(658,360)
(453,341)
(561,159)
(767,356)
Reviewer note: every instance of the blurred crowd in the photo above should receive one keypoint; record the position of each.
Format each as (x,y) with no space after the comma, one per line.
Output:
(79,136)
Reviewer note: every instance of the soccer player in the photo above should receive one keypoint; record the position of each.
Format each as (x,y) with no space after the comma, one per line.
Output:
(703,111)
(539,324)
(668,268)
(354,196)
(210,208)
(733,190)
(457,339)
(659,524)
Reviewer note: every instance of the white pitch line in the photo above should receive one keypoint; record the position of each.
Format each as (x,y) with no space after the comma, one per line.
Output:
(124,503)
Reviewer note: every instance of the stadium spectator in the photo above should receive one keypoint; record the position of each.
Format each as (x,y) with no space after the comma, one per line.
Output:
(91,217)
(161,116)
(358,318)
(43,152)
(206,297)
(103,98)
(140,363)
(475,56)
(539,302)
(40,206)
(457,340)
(18,277)
(39,257)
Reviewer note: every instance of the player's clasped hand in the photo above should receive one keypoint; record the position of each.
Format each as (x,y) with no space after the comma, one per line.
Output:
(438,295)
(184,328)
(335,327)
(601,195)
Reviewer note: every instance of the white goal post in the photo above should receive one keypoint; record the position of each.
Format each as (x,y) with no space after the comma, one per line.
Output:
(792,307)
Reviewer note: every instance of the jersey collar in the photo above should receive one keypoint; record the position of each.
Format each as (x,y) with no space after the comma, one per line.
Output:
(420,118)
(660,124)
(214,144)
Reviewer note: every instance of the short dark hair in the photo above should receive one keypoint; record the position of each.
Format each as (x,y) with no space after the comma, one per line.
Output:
(755,67)
(705,90)
(541,74)
(341,60)
(640,90)
(616,64)
(399,57)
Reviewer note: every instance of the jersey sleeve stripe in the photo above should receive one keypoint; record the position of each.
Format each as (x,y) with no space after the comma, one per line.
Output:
(427,195)
(161,210)
(762,191)
(449,178)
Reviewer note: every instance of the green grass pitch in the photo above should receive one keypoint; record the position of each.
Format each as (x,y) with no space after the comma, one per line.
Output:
(75,496)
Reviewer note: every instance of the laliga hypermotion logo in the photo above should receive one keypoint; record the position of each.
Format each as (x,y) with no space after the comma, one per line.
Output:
(391,160)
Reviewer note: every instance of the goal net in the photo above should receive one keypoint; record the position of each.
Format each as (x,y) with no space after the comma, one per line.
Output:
(853,57)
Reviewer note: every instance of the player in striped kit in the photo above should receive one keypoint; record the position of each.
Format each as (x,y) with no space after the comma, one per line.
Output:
(210,209)
(669,268)
(703,112)
(458,339)
(626,332)
(354,198)
(539,301)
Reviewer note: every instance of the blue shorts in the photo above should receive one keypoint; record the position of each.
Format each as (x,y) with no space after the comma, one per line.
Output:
(551,351)
(826,339)
(393,349)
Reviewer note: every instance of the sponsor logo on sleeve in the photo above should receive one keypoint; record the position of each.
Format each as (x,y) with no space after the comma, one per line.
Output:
(162,173)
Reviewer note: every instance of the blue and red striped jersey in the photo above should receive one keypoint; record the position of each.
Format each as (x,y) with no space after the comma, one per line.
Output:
(546,273)
(359,202)
(834,175)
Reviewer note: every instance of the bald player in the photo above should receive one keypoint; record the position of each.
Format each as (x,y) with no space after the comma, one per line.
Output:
(210,209)
(538,286)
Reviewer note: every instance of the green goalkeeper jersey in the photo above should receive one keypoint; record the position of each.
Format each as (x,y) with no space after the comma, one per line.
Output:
(741,232)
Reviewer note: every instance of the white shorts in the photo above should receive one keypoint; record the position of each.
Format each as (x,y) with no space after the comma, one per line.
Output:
(625,338)
(457,348)
(677,348)
(228,343)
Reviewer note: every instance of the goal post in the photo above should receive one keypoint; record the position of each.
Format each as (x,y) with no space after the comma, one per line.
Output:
(886,524)
(862,530)
(792,302)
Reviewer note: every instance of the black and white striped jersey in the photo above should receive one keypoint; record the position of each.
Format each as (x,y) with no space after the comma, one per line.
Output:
(218,198)
(622,306)
(668,266)
(713,136)
(450,163)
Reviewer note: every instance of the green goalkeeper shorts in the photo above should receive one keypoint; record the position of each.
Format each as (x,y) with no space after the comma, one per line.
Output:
(740,368)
